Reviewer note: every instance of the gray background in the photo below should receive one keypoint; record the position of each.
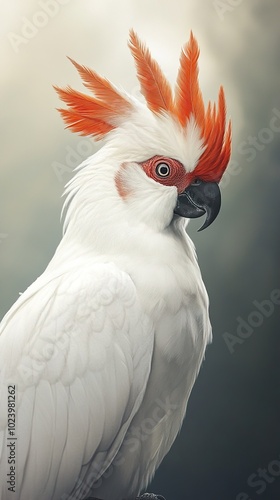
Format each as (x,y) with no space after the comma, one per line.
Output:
(232,424)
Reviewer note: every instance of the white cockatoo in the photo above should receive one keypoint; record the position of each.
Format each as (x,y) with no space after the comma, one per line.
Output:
(99,355)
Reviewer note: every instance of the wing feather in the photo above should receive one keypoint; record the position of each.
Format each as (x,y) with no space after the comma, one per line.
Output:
(78,348)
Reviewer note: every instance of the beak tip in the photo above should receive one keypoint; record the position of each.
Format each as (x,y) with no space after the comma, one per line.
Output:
(204,226)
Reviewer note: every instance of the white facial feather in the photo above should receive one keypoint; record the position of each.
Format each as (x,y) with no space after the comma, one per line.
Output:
(145,135)
(147,201)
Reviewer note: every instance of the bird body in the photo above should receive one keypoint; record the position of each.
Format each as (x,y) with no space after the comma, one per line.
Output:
(104,347)
(63,356)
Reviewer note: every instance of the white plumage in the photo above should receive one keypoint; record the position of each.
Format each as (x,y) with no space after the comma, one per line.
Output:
(104,347)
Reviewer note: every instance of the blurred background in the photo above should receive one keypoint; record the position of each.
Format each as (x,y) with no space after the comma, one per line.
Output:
(231,432)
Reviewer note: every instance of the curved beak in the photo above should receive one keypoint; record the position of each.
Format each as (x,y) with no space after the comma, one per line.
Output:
(198,199)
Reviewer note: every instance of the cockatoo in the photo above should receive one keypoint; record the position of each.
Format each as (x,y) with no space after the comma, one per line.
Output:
(99,355)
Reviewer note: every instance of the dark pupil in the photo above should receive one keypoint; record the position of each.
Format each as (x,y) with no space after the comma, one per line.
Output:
(163,169)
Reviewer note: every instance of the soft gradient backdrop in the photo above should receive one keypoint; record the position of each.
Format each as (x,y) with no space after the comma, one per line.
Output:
(231,431)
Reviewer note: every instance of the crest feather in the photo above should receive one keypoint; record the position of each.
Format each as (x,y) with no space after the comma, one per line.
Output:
(96,115)
(217,142)
(85,126)
(188,94)
(100,86)
(154,85)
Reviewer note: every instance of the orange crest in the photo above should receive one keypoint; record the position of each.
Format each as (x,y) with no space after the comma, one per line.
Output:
(108,108)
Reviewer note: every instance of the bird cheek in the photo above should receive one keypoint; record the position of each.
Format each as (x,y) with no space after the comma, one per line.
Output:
(120,183)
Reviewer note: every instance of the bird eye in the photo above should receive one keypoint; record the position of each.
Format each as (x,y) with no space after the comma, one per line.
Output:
(162,169)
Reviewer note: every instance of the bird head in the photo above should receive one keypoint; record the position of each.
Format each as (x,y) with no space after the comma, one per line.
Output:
(168,155)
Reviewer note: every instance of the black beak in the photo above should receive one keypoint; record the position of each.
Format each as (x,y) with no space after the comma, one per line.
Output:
(198,199)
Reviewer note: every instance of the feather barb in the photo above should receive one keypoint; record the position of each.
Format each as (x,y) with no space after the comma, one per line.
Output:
(93,115)
(154,85)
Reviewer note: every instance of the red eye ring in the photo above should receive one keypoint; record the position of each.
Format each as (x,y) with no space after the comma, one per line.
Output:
(162,169)
(167,171)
